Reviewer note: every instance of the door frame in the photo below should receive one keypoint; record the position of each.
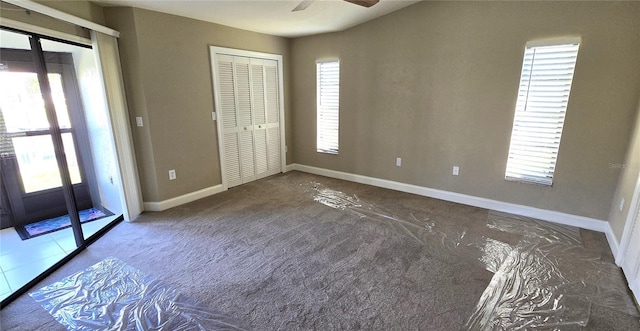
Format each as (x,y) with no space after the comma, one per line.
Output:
(623,254)
(634,208)
(216,50)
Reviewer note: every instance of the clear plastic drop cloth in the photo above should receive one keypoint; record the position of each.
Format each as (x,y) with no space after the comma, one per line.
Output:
(487,252)
(546,280)
(549,281)
(111,295)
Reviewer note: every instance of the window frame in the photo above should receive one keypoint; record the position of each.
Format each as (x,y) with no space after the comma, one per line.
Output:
(527,163)
(330,146)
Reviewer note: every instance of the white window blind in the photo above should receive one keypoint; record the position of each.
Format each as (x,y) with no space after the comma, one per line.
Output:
(543,95)
(328,97)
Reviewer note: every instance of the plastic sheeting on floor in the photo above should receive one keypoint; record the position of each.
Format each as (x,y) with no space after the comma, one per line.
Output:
(111,295)
(547,279)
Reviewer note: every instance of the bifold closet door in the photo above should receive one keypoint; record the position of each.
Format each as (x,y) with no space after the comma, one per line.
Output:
(260,117)
(229,120)
(266,110)
(272,100)
(250,115)
(245,119)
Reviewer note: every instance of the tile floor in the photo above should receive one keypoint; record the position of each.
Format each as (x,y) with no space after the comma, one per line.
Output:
(23,260)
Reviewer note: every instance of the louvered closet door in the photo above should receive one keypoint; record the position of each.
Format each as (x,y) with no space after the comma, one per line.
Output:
(228,114)
(259,117)
(245,119)
(272,101)
(249,104)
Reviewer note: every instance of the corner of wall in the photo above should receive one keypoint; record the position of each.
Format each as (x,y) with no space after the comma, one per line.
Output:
(629,176)
(123,20)
(626,197)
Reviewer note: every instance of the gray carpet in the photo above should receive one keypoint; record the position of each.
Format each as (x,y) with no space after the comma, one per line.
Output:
(297,251)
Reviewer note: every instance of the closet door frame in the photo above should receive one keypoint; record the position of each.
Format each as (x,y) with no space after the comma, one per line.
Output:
(214,52)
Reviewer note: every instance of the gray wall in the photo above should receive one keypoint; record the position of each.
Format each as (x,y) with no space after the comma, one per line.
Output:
(167,75)
(436,83)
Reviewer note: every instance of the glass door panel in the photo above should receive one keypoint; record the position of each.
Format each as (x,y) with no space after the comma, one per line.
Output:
(60,174)
(37,162)
(35,203)
(74,90)
(22,105)
(59,100)
(21,102)
(72,158)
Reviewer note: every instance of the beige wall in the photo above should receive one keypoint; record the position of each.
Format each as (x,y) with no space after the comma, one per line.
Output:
(80,8)
(436,84)
(167,74)
(627,182)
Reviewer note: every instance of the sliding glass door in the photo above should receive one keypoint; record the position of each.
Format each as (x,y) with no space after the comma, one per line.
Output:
(31,173)
(57,161)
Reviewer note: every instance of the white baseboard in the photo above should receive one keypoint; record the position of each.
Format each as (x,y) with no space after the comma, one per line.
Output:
(290,167)
(186,198)
(635,289)
(542,214)
(613,241)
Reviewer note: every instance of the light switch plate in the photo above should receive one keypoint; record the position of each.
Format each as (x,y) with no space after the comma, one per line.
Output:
(139,121)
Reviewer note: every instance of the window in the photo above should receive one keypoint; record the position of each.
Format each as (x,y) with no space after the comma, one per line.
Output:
(543,95)
(328,85)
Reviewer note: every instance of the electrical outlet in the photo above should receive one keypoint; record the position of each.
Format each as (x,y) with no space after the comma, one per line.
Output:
(398,162)
(621,204)
(172,174)
(456,170)
(139,121)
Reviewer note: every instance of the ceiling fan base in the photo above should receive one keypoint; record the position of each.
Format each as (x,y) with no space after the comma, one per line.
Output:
(363,3)
(303,5)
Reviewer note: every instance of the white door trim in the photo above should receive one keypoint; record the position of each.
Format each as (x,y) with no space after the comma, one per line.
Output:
(627,259)
(108,58)
(215,50)
(634,207)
